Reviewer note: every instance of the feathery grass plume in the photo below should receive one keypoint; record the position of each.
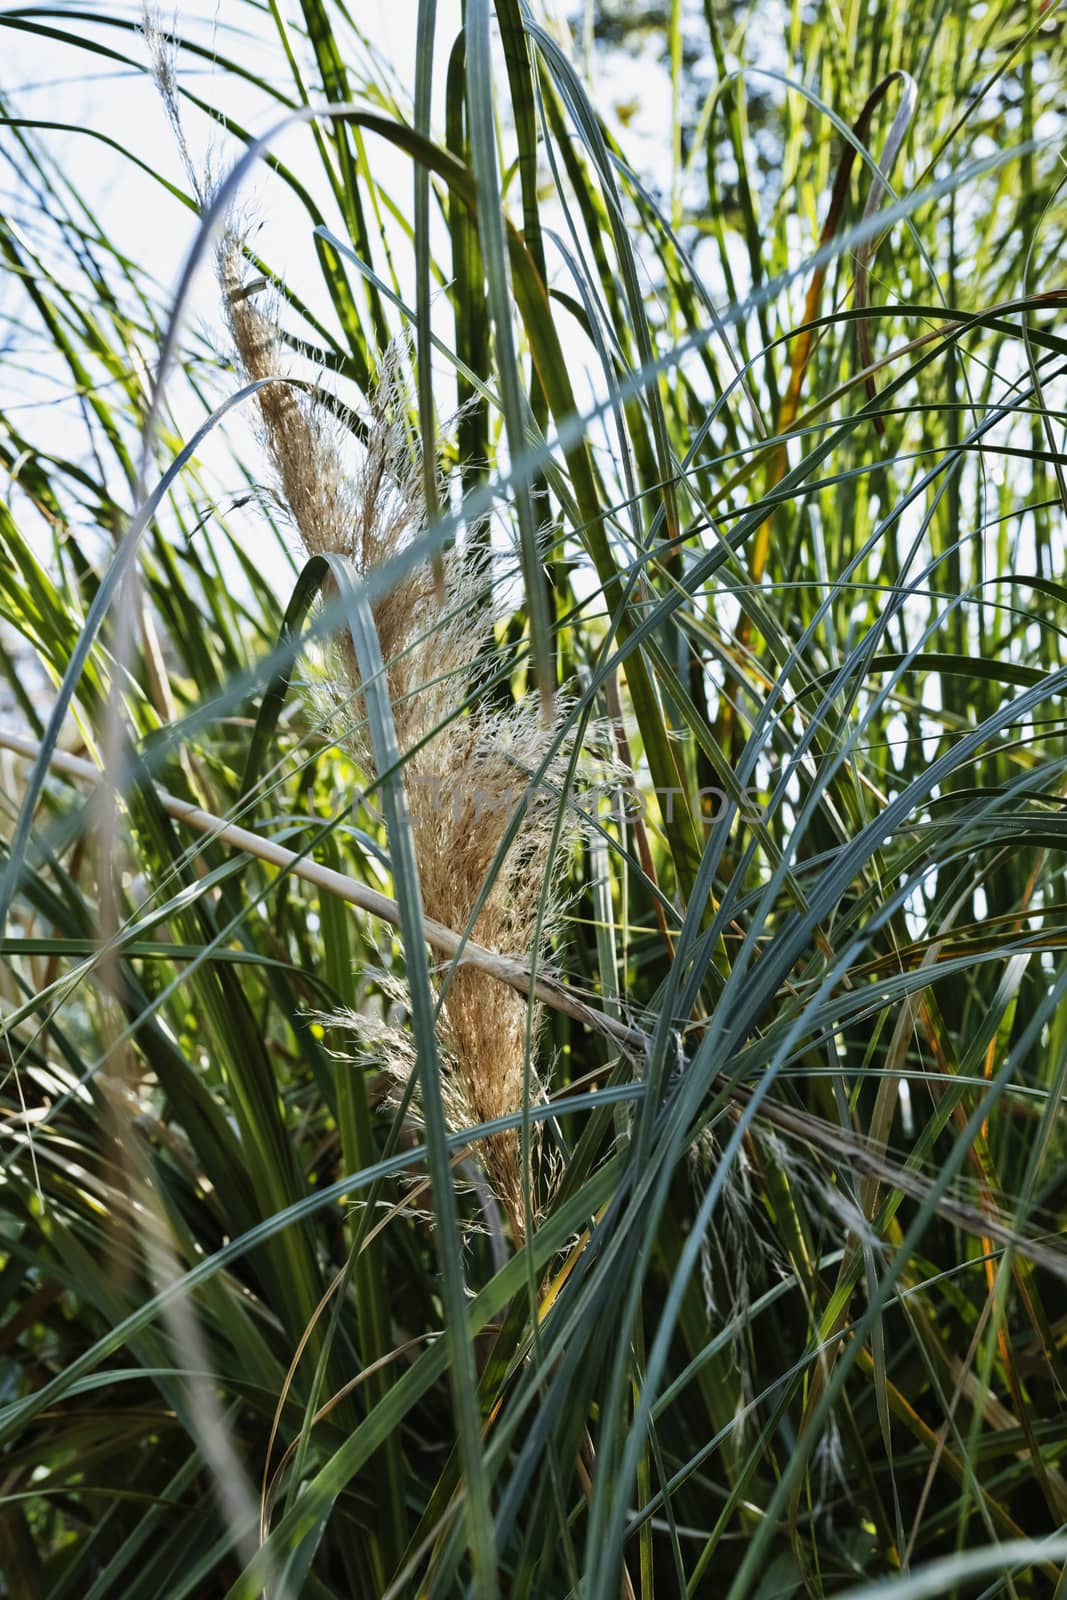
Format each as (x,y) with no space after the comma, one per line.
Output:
(162,59)
(467,766)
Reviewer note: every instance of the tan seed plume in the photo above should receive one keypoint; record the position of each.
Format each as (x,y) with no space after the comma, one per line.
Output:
(464,772)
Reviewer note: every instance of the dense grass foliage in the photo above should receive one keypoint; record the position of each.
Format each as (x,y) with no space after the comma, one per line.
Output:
(745,1281)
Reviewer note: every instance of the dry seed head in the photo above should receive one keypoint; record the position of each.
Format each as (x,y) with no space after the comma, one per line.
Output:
(162,54)
(469,767)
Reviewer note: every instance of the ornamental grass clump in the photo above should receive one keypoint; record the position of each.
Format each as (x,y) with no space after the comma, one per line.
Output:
(468,765)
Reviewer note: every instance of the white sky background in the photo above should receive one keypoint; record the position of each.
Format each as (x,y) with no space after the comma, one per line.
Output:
(45,79)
